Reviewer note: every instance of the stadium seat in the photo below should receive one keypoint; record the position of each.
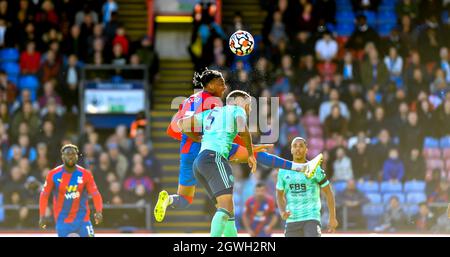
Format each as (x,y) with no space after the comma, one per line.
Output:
(345,16)
(372,212)
(414,186)
(330,144)
(387,197)
(31,83)
(9,55)
(314,131)
(416,198)
(371,18)
(432,153)
(430,142)
(11,68)
(446,153)
(390,187)
(316,142)
(339,186)
(2,211)
(374,197)
(345,29)
(411,209)
(445,142)
(385,30)
(435,164)
(311,120)
(368,187)
(447,165)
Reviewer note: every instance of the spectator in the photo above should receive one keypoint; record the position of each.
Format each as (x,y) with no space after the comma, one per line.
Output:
(51,138)
(326,47)
(393,168)
(365,5)
(360,158)
(118,161)
(417,84)
(342,166)
(424,220)
(75,44)
(108,9)
(103,172)
(407,8)
(411,135)
(325,107)
(374,73)
(306,20)
(278,31)
(30,59)
(122,39)
(442,116)
(70,79)
(291,128)
(303,45)
(352,199)
(89,159)
(394,64)
(238,24)
(349,68)
(8,90)
(259,217)
(139,178)
(27,115)
(25,148)
(86,11)
(362,35)
(444,63)
(148,56)
(378,122)
(415,166)
(394,218)
(152,165)
(325,10)
(441,193)
(119,57)
(50,68)
(335,123)
(358,117)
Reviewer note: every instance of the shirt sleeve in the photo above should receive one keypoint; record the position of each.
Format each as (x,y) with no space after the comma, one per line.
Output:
(280,181)
(93,191)
(321,178)
(45,193)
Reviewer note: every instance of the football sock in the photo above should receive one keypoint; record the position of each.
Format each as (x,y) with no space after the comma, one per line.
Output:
(230,228)
(180,201)
(219,222)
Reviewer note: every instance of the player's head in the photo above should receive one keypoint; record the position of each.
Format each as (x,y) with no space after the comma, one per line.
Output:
(299,148)
(260,191)
(69,155)
(240,98)
(211,80)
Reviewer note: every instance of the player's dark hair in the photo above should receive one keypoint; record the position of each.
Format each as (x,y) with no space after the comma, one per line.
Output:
(204,76)
(260,184)
(69,146)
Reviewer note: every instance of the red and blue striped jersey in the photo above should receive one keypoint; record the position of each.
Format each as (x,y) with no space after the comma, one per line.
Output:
(259,212)
(194,104)
(70,194)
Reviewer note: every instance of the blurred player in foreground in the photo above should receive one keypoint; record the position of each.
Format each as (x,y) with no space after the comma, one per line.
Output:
(298,197)
(71,185)
(213,85)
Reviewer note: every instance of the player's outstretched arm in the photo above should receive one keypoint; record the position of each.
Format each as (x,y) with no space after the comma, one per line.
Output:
(333,223)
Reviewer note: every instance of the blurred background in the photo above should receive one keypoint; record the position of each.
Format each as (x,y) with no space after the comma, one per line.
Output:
(366,82)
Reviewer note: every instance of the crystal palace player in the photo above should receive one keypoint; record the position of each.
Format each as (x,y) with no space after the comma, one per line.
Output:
(71,185)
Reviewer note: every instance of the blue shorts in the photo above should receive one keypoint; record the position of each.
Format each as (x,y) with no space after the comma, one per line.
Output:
(82,229)
(186,176)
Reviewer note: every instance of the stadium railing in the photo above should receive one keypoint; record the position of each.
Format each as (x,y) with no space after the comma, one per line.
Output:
(146,207)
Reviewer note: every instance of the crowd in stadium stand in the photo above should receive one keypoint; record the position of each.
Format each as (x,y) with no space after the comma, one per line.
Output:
(368,84)
(44,44)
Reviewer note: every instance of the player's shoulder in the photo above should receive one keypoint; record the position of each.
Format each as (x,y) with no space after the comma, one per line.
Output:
(55,170)
(84,170)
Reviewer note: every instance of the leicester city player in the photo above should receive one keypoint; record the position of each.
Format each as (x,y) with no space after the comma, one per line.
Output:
(298,197)
(71,185)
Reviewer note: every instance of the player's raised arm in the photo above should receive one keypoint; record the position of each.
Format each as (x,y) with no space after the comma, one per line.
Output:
(96,198)
(43,199)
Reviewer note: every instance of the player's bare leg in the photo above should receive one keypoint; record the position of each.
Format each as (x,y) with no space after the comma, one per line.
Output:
(185,193)
(309,168)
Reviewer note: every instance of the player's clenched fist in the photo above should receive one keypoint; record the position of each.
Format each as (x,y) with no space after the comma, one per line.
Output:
(285,215)
(98,218)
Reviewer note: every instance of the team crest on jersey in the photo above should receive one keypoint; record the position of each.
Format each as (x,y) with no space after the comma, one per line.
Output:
(80,180)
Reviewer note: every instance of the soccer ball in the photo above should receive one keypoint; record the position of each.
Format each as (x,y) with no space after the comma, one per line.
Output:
(241,43)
